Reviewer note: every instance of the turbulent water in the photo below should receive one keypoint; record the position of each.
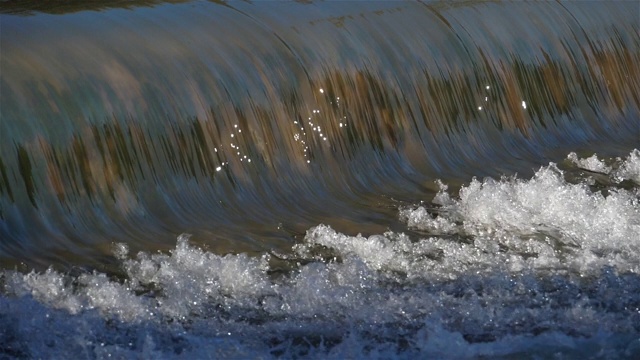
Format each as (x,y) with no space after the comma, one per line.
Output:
(320,179)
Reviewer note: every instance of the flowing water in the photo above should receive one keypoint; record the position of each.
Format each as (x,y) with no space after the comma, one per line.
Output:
(212,179)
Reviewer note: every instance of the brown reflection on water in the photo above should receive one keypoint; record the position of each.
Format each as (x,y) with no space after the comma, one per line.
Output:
(104,160)
(216,127)
(619,70)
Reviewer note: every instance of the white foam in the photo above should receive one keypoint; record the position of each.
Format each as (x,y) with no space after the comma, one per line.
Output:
(545,216)
(592,163)
(623,169)
(630,168)
(510,267)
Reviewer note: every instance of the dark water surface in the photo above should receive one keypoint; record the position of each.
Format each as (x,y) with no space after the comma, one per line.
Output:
(246,124)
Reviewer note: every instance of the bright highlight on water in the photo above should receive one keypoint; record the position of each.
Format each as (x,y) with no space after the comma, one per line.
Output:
(392,180)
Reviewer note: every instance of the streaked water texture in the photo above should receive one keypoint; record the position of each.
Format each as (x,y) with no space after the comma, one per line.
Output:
(507,268)
(357,179)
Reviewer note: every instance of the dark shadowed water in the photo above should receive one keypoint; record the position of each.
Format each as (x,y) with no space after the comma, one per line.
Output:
(276,132)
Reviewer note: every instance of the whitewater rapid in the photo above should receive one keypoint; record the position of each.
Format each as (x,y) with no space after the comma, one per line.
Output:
(538,267)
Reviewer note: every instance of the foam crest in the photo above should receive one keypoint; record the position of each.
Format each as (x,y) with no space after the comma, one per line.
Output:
(618,171)
(630,168)
(541,220)
(591,163)
(190,279)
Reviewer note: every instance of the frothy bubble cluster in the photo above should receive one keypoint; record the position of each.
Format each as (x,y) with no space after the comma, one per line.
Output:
(539,223)
(621,170)
(523,268)
(630,168)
